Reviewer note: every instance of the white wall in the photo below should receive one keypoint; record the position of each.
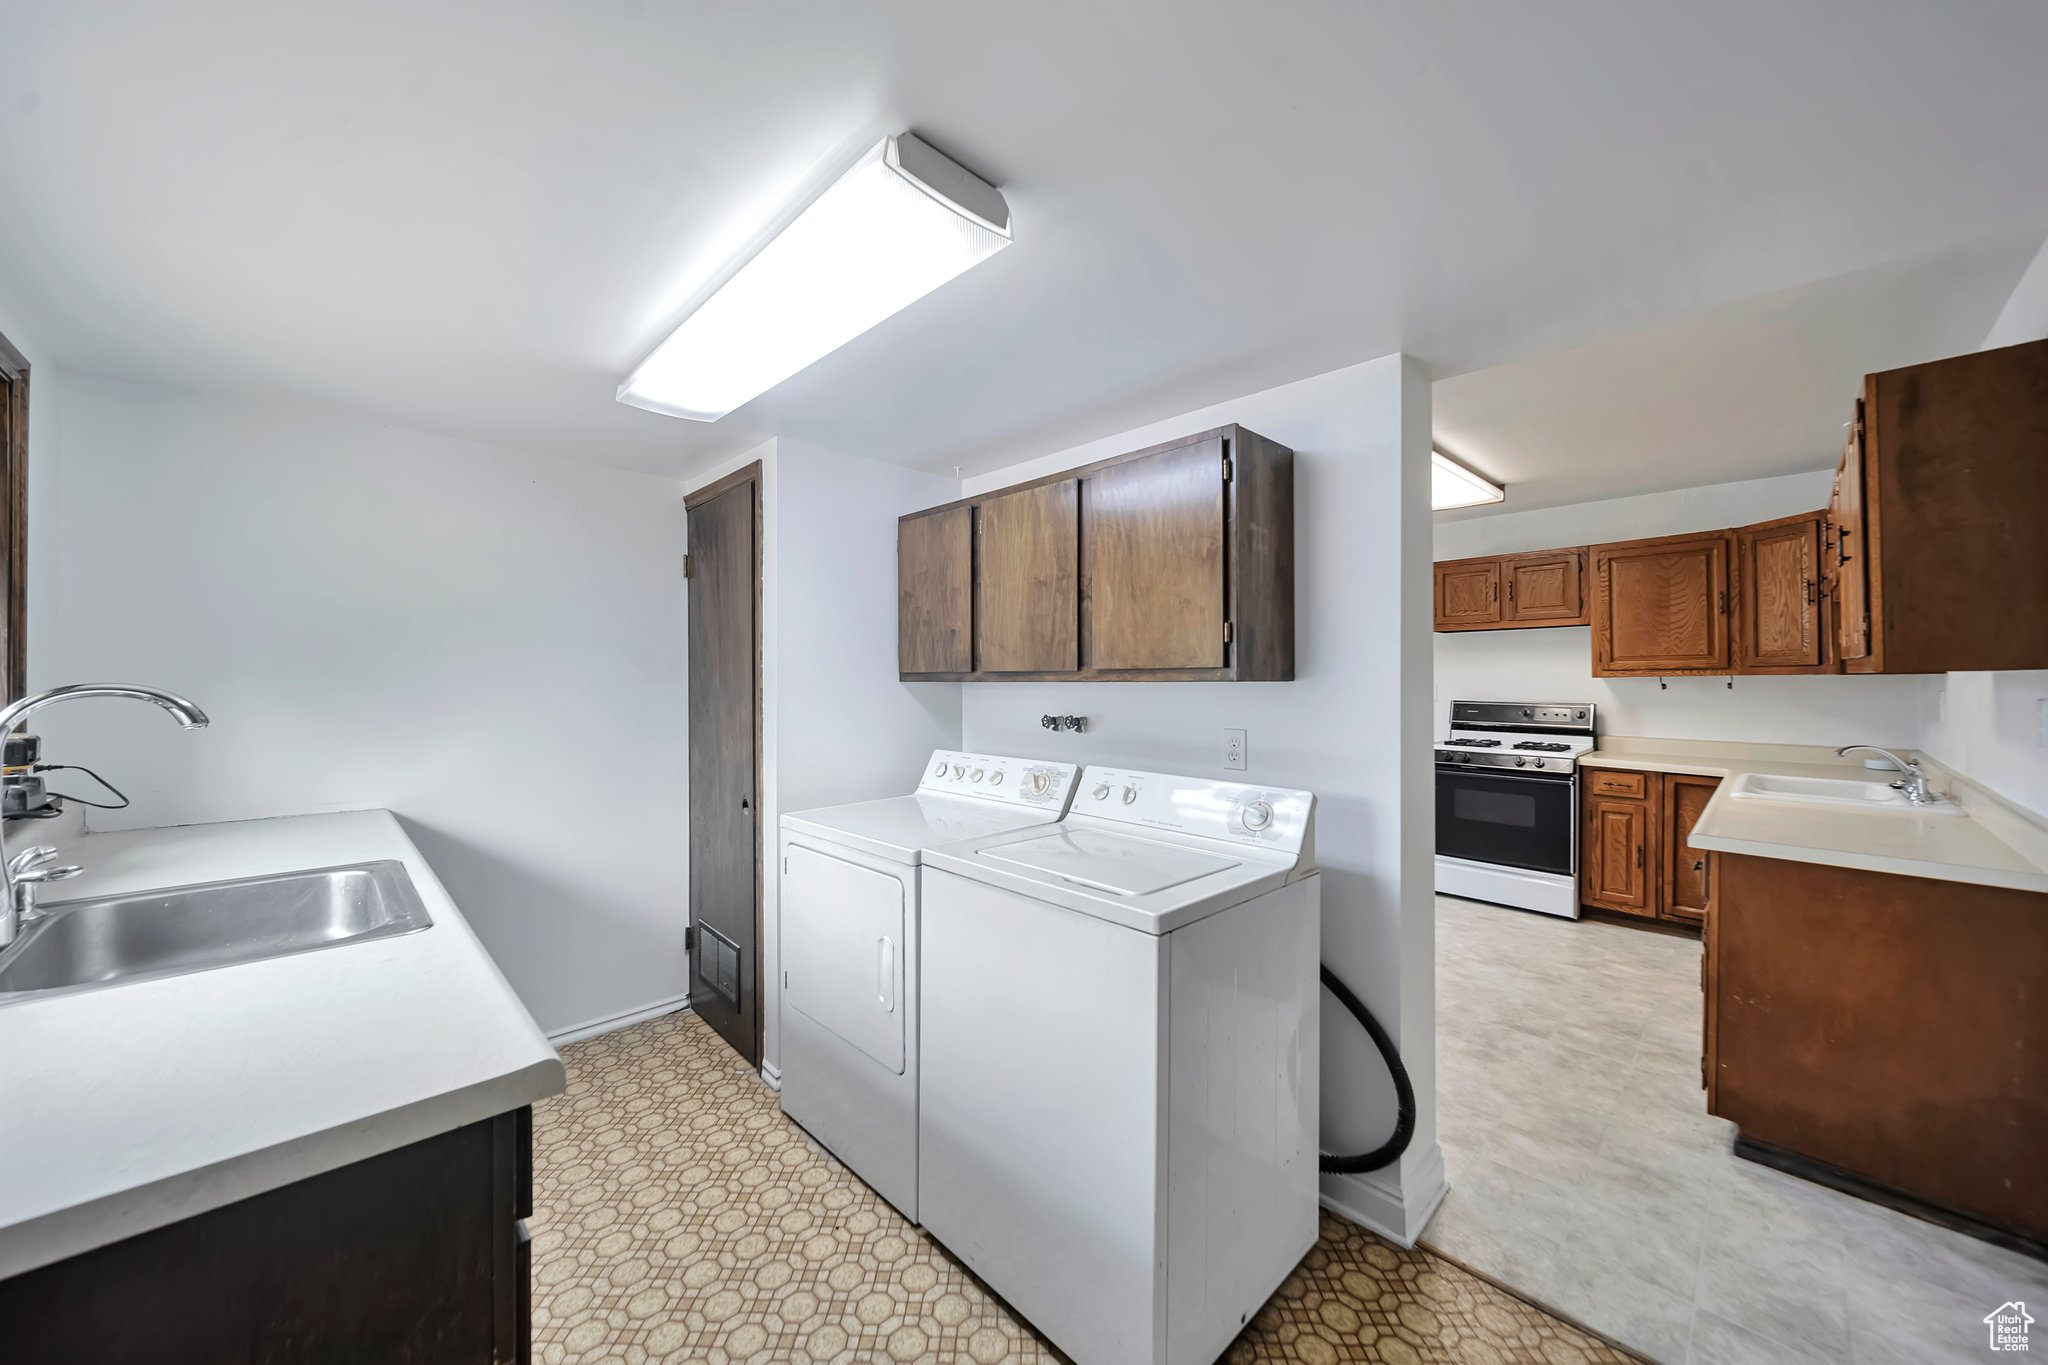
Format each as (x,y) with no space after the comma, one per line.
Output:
(1556,664)
(487,641)
(837,725)
(1353,728)
(1987,726)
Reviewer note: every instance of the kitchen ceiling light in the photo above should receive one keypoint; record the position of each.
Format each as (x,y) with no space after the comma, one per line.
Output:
(898,225)
(1453,485)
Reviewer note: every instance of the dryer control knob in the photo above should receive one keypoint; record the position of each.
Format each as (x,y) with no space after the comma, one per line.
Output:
(1102,792)
(1257,815)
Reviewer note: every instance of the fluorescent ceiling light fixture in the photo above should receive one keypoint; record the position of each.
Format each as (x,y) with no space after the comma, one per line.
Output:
(898,225)
(1453,485)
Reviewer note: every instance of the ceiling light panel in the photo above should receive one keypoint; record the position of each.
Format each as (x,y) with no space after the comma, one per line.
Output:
(898,225)
(1453,485)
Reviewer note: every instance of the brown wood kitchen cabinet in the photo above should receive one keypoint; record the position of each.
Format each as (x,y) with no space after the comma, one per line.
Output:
(1938,529)
(1171,563)
(1508,592)
(1780,618)
(1662,606)
(1634,856)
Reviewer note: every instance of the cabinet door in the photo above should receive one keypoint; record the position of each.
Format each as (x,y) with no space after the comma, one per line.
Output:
(1848,534)
(1544,587)
(1777,570)
(1661,606)
(1688,872)
(1618,870)
(1027,601)
(1153,544)
(934,593)
(1467,593)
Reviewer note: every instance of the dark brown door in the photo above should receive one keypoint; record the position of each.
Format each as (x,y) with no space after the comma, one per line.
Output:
(724,776)
(1777,565)
(934,588)
(1544,587)
(1661,606)
(1618,866)
(1851,569)
(1688,871)
(1152,540)
(1027,606)
(1468,593)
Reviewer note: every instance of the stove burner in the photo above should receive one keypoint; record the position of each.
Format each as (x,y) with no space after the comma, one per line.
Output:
(1477,743)
(1546,747)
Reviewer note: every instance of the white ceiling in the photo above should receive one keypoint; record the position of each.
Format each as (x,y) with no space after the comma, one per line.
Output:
(1746,391)
(474,217)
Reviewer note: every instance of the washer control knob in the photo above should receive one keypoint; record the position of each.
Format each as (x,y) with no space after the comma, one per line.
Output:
(996,778)
(959,770)
(1257,815)
(974,776)
(939,771)
(1130,795)
(1102,792)
(1039,782)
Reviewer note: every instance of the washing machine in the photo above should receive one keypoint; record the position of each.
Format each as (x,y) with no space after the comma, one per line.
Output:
(849,899)
(1118,1107)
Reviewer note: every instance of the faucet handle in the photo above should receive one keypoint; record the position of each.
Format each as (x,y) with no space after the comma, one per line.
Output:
(29,858)
(49,874)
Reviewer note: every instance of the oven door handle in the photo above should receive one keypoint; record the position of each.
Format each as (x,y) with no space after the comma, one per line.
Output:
(1553,778)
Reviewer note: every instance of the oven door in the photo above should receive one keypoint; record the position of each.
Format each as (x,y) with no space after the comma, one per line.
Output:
(1485,815)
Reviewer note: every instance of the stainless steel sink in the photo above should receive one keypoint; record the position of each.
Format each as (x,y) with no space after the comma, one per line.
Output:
(86,944)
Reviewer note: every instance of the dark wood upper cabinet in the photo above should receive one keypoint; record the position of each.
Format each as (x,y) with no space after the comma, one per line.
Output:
(1940,520)
(1027,594)
(1661,606)
(1511,592)
(1467,594)
(1544,588)
(935,592)
(1173,563)
(1153,544)
(1780,625)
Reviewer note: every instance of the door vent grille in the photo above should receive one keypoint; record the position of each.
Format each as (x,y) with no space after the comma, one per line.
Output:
(718,965)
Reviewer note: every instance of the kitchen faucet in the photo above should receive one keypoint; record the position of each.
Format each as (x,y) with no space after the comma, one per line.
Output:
(1912,781)
(25,871)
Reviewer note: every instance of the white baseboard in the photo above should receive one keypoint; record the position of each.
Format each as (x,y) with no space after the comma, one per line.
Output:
(576,1033)
(1385,1202)
(771,1076)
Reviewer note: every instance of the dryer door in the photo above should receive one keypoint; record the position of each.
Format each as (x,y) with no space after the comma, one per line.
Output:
(842,949)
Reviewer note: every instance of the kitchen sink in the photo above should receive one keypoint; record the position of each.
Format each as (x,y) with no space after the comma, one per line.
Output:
(1834,791)
(86,944)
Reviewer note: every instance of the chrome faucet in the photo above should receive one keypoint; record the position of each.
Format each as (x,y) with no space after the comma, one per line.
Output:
(1912,781)
(27,870)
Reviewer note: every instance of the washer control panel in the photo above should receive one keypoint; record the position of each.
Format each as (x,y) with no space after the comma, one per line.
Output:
(1014,781)
(1276,817)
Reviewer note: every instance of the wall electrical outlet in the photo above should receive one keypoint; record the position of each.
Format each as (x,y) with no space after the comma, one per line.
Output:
(1236,749)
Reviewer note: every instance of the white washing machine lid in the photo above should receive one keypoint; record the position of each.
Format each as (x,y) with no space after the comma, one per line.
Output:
(1141,879)
(901,828)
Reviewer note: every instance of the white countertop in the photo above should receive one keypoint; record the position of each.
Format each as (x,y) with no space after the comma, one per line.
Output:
(1977,846)
(130,1107)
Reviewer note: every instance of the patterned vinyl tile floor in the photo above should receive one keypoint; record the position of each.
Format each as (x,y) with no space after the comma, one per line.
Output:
(679,1217)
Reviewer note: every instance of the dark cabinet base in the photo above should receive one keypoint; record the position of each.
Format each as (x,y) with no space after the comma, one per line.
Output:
(415,1257)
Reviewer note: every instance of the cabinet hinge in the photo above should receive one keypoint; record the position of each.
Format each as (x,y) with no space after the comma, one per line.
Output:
(689,566)
(1226,469)
(1226,632)
(689,938)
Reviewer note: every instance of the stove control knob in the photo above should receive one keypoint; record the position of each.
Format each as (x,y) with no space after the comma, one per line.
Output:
(1522,762)
(1257,815)
(974,776)
(1102,792)
(1130,795)
(996,778)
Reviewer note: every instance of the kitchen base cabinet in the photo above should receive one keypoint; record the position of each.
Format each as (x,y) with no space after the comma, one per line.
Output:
(1634,854)
(415,1257)
(1885,1033)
